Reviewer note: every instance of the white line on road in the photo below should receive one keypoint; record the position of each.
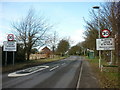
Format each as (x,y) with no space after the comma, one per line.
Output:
(78,83)
(54,68)
(63,64)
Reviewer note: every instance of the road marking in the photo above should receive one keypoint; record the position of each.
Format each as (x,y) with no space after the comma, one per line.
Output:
(63,64)
(78,83)
(16,74)
(54,68)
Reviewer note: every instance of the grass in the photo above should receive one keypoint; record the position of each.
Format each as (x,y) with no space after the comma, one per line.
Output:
(107,78)
(30,63)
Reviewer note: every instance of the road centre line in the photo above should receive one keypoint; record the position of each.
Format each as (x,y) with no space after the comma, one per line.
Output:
(78,83)
(54,68)
(63,64)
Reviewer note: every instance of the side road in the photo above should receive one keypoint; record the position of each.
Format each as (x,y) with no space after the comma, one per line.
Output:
(87,78)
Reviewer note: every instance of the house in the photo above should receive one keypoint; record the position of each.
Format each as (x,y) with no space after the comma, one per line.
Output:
(46,51)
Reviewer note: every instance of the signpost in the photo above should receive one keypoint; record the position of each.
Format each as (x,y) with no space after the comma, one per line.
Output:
(10,37)
(9,45)
(105,44)
(105,33)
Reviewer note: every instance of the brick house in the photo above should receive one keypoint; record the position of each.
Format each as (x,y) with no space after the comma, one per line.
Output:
(46,51)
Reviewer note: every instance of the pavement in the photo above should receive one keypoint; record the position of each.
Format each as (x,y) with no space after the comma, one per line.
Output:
(73,72)
(88,79)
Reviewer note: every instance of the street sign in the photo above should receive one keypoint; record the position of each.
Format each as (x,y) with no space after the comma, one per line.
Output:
(105,44)
(105,33)
(9,46)
(10,37)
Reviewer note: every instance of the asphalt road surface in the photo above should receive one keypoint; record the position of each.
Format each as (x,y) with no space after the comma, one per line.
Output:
(65,73)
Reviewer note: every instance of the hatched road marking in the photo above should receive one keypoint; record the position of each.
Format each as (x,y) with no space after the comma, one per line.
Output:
(17,73)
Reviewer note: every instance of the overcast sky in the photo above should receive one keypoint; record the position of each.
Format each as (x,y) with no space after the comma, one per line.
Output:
(67,16)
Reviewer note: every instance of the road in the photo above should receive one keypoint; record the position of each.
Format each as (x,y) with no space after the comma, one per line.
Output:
(64,73)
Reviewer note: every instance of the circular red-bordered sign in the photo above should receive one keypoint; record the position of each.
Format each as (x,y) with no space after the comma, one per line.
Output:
(105,33)
(10,37)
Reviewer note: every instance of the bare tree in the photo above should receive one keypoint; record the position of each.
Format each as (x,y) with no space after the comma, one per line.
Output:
(31,31)
(52,40)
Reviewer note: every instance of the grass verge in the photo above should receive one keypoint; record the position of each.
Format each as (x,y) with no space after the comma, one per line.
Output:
(108,78)
(30,63)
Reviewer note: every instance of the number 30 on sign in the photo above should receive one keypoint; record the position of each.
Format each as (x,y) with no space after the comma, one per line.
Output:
(10,37)
(105,33)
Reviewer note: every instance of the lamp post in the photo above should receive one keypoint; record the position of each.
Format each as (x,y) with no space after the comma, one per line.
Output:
(97,7)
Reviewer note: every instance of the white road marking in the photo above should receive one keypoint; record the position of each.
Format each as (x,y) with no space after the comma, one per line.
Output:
(16,74)
(54,68)
(78,83)
(63,64)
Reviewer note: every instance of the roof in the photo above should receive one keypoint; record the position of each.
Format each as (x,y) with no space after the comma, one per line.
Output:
(46,48)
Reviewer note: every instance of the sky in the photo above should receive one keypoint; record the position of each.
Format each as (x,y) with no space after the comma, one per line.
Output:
(67,17)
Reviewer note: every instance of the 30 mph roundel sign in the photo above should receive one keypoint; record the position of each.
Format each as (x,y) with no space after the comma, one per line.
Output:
(105,33)
(10,37)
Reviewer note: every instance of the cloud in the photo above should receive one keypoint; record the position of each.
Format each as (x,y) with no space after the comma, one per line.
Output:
(77,36)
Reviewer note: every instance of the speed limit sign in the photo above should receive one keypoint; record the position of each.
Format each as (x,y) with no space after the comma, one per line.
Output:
(10,37)
(105,33)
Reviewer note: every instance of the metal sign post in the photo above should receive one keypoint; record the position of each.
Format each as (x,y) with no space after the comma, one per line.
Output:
(13,58)
(97,7)
(111,58)
(6,58)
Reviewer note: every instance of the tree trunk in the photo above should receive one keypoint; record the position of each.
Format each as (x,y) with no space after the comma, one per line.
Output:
(53,50)
(28,56)
(29,52)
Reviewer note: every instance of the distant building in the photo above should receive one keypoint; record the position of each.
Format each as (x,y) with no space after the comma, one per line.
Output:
(46,51)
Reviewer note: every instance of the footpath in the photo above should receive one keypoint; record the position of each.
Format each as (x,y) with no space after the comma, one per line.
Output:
(87,77)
